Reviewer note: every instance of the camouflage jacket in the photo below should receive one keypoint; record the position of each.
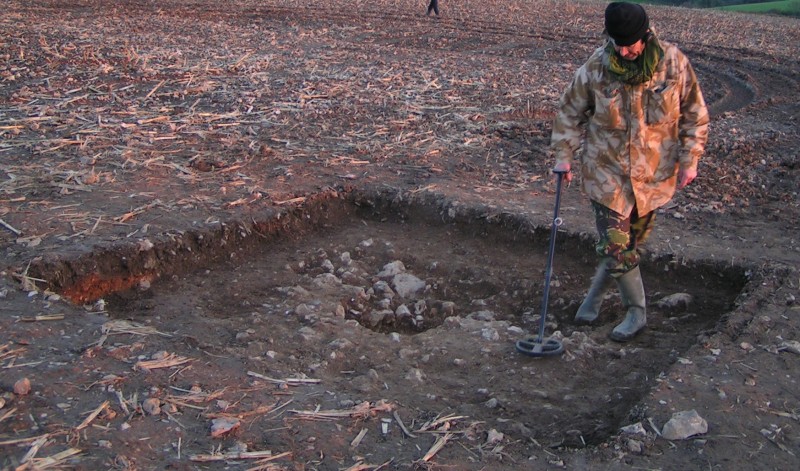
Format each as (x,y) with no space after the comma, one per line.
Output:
(637,136)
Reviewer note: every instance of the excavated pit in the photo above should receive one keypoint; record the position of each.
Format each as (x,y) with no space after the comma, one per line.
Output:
(427,294)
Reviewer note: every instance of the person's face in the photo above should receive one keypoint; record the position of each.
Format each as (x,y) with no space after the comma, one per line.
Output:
(630,52)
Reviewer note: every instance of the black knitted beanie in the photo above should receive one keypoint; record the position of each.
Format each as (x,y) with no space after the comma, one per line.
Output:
(626,22)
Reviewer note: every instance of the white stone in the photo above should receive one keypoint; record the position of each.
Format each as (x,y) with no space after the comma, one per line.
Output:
(490,334)
(406,353)
(327,279)
(307,333)
(402,311)
(407,285)
(634,429)
(384,304)
(420,307)
(634,446)
(675,301)
(494,437)
(382,287)
(392,269)
(416,375)
(792,346)
(377,316)
(683,425)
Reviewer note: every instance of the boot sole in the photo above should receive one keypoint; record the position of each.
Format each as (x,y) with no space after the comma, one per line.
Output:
(624,338)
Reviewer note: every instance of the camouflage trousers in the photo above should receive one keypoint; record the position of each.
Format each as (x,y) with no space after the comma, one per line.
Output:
(621,237)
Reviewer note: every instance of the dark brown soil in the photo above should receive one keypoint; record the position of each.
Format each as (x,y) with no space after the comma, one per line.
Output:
(226,186)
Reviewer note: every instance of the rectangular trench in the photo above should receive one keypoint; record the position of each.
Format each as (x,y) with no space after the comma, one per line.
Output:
(427,294)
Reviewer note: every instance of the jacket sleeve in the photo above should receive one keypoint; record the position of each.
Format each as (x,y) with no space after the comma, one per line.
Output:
(693,125)
(573,112)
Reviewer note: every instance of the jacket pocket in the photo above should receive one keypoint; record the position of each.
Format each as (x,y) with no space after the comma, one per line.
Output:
(609,109)
(662,103)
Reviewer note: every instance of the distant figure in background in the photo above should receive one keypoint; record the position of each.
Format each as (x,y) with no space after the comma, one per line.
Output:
(433,6)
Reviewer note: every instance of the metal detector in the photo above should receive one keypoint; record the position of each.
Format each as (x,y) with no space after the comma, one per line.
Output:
(539,346)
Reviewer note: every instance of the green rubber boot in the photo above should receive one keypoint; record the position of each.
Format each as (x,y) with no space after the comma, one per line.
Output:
(601,283)
(631,290)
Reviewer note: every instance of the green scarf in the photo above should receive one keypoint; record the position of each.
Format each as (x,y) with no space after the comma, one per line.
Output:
(639,70)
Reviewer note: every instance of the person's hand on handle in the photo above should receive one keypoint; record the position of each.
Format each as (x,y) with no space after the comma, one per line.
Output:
(686,176)
(564,167)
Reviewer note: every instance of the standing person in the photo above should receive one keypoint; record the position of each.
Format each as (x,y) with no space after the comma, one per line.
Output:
(433,6)
(646,129)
